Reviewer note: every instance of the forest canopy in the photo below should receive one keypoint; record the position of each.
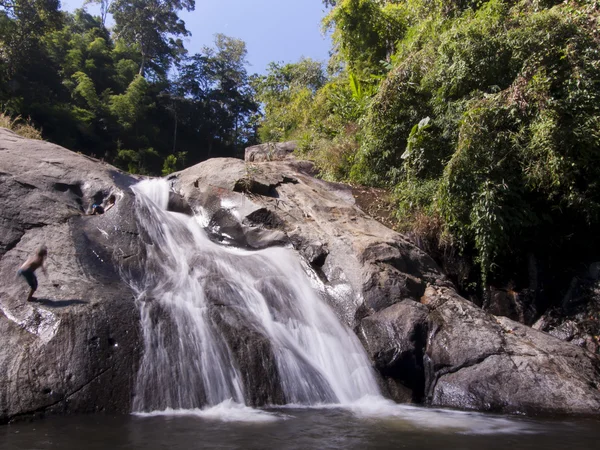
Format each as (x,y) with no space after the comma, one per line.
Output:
(131,95)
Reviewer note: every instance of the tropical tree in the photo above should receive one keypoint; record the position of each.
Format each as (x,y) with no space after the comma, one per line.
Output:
(154,27)
(286,92)
(104,8)
(217,79)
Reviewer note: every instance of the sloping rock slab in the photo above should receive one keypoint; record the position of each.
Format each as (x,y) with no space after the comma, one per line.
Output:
(75,348)
(364,266)
(429,344)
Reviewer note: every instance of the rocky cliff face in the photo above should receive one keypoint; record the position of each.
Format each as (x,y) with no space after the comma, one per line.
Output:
(77,347)
(429,344)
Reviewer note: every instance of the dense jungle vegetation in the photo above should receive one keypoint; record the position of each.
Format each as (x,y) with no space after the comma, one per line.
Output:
(482,118)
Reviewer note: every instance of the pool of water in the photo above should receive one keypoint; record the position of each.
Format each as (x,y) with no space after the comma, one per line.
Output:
(367,425)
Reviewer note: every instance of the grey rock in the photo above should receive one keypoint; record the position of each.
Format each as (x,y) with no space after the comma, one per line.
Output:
(518,306)
(78,347)
(482,362)
(250,348)
(395,340)
(75,348)
(225,228)
(349,250)
(178,204)
(578,319)
(270,151)
(427,342)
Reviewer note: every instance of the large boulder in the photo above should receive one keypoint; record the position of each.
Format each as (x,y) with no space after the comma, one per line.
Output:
(478,361)
(364,265)
(75,347)
(429,344)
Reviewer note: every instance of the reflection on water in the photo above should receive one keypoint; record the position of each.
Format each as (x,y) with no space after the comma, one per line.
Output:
(364,425)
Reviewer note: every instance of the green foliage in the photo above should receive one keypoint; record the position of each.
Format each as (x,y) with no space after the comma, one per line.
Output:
(173,163)
(153,26)
(365,32)
(218,84)
(287,92)
(333,156)
(416,196)
(483,117)
(513,137)
(85,90)
(81,84)
(144,162)
(131,105)
(322,116)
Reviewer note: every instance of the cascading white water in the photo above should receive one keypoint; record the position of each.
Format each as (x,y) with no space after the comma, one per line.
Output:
(187,362)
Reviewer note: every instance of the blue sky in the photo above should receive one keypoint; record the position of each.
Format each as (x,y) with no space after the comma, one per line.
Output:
(274,30)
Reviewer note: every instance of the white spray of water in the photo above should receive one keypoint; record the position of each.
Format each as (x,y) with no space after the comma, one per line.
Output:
(228,411)
(187,362)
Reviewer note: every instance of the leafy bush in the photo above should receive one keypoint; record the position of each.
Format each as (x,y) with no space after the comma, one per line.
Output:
(512,141)
(173,163)
(144,162)
(483,117)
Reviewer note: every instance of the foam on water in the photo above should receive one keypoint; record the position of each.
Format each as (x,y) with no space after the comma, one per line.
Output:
(410,417)
(370,407)
(227,411)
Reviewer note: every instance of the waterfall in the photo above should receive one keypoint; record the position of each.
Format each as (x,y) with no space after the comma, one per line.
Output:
(207,309)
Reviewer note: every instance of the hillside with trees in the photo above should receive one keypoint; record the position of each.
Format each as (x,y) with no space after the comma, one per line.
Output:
(482,118)
(132,95)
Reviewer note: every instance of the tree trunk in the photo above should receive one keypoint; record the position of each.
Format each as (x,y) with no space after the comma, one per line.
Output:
(141,72)
(175,133)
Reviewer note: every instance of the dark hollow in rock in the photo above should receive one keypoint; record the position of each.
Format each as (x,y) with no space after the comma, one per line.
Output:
(264,217)
(178,204)
(395,339)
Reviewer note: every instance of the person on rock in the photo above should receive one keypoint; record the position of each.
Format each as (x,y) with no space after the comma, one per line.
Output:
(102,208)
(97,208)
(27,270)
(110,202)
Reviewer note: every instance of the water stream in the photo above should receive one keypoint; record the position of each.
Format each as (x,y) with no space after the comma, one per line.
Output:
(196,296)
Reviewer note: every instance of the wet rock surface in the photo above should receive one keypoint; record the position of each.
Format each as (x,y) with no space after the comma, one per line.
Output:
(74,348)
(429,344)
(350,251)
(395,339)
(253,353)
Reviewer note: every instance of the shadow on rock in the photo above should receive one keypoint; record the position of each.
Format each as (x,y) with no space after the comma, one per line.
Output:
(58,303)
